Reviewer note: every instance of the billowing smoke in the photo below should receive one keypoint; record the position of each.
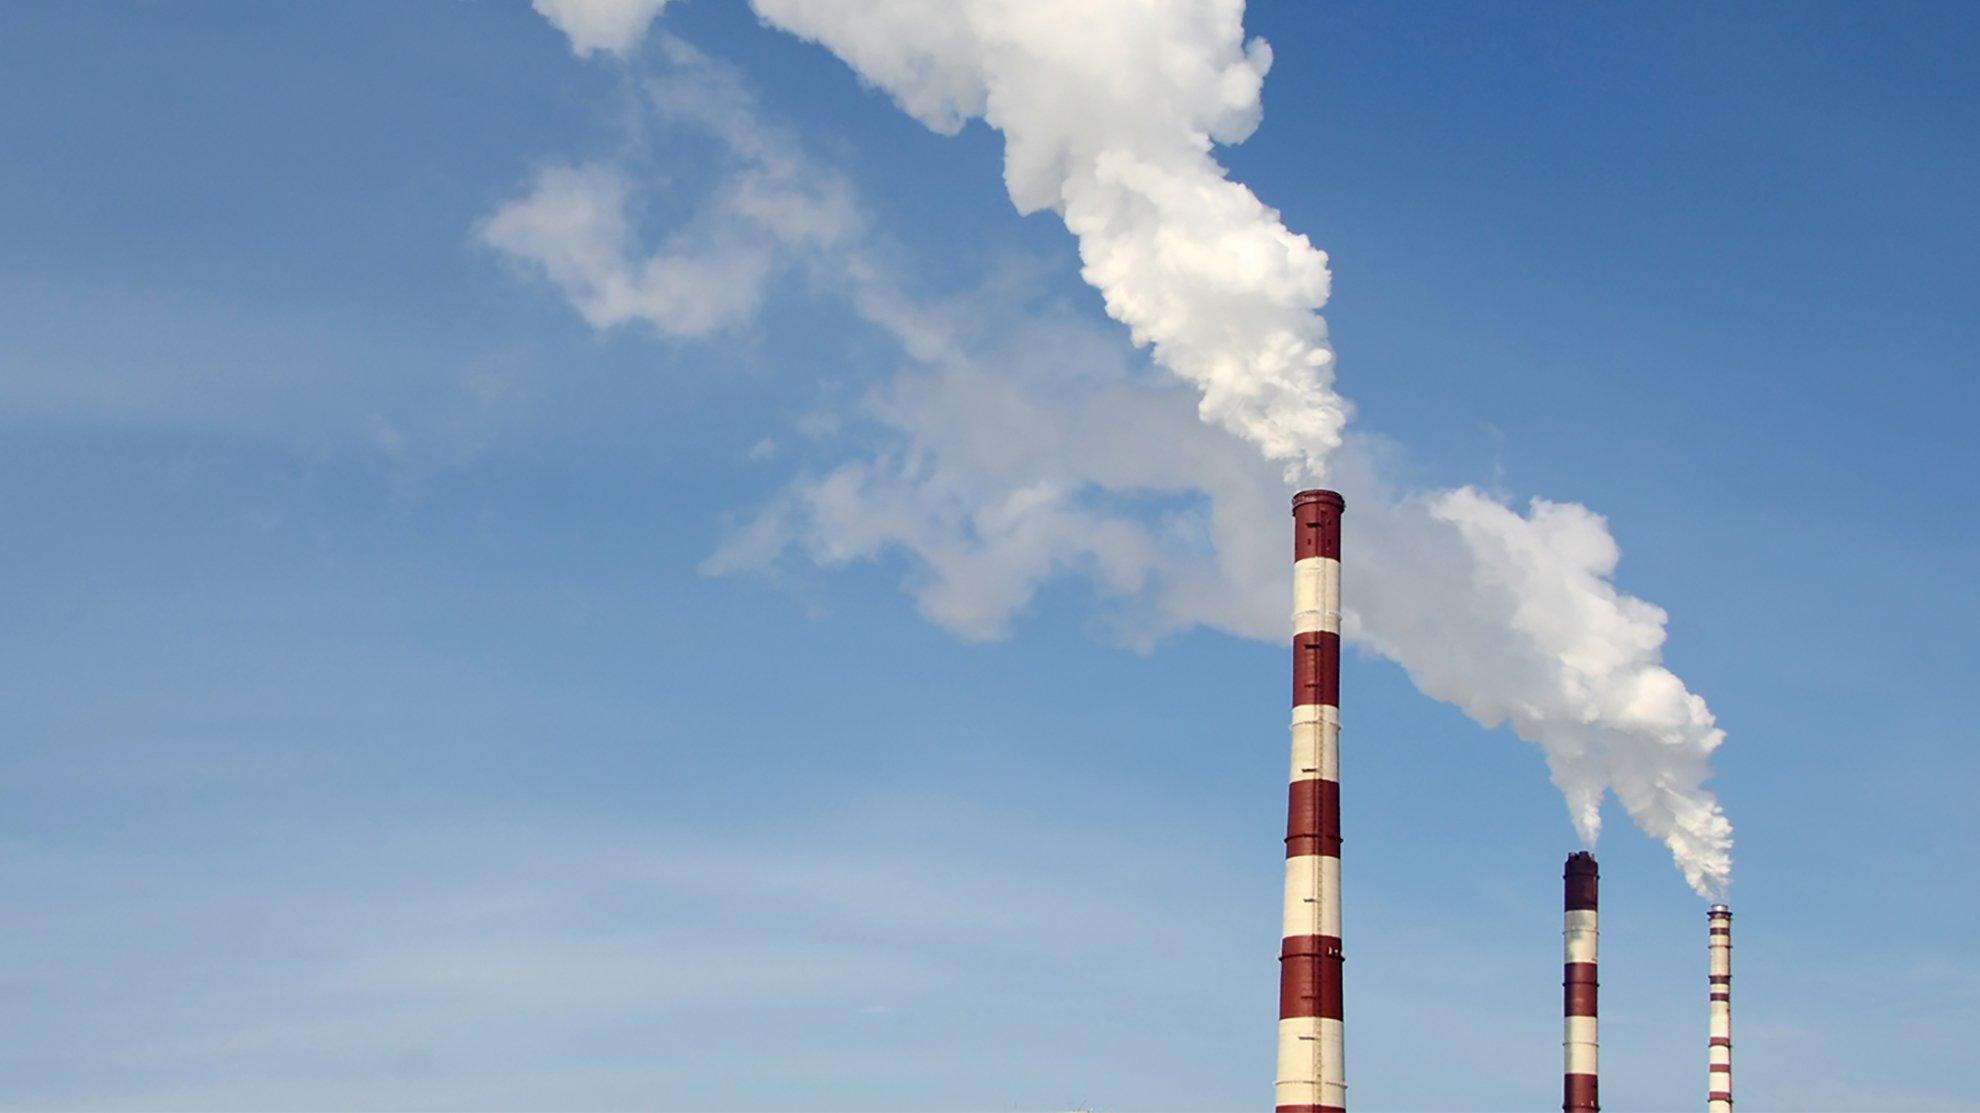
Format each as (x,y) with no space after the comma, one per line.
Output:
(1514,619)
(1110,110)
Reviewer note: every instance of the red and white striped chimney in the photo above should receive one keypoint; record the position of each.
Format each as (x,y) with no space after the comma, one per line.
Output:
(1719,1051)
(1311,1076)
(1578,937)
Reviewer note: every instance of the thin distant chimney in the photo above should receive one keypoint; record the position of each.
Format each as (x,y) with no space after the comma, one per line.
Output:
(1719,1049)
(1311,1076)
(1578,937)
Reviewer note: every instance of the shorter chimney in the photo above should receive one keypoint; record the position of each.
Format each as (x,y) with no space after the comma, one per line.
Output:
(1719,1049)
(1578,1041)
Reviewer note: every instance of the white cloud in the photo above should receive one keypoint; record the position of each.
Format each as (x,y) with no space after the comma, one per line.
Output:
(1027,447)
(612,26)
(574,224)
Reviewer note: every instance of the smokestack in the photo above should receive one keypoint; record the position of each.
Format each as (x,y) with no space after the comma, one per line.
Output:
(1312,1078)
(1719,1050)
(1578,1042)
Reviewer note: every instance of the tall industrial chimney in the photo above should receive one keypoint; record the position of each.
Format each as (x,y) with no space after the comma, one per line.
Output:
(1719,1051)
(1312,1078)
(1578,937)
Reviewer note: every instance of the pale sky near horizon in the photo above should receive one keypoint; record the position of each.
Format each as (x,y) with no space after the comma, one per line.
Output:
(376,733)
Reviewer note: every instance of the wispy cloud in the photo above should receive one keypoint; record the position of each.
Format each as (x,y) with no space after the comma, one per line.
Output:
(594,26)
(768,210)
(389,969)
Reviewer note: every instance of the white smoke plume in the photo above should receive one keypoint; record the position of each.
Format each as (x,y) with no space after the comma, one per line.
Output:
(1514,618)
(1110,110)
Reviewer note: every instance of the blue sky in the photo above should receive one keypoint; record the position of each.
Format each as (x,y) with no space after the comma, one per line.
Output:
(373,736)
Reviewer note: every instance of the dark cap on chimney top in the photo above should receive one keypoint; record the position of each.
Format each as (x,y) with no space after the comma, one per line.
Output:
(1581,879)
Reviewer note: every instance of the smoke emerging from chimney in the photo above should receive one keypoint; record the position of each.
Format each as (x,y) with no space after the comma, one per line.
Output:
(1110,111)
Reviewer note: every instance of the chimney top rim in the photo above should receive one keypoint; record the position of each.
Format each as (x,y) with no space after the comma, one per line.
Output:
(1317,494)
